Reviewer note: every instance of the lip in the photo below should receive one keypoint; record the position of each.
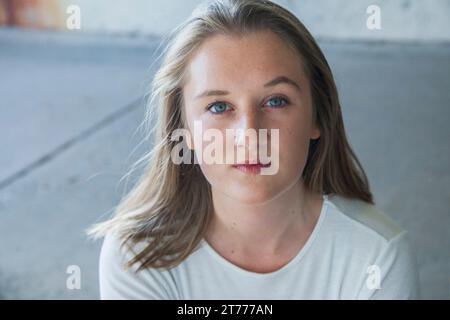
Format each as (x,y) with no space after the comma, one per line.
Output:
(254,168)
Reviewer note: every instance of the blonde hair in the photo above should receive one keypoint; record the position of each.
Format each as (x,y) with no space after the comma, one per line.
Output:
(171,205)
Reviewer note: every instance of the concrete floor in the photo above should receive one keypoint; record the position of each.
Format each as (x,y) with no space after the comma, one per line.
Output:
(70,107)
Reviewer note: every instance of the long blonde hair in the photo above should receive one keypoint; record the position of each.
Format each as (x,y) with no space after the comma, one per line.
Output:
(171,205)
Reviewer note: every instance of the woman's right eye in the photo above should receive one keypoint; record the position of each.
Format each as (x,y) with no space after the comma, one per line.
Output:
(218,107)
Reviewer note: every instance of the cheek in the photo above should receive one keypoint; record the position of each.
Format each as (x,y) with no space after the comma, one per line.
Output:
(215,174)
(294,144)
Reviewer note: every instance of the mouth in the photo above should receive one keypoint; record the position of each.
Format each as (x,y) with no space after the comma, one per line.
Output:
(251,168)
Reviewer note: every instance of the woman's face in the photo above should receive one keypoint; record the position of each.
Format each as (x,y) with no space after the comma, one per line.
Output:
(238,72)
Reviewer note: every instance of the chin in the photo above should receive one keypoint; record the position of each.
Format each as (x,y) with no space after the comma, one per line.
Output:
(251,194)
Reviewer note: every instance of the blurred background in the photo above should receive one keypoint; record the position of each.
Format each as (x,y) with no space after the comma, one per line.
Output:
(73,75)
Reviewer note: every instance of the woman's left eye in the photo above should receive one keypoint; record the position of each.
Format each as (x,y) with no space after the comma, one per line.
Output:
(277,102)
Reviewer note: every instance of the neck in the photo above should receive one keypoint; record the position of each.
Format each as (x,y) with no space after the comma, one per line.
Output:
(274,223)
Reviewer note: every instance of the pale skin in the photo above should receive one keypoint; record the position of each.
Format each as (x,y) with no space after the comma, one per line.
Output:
(260,222)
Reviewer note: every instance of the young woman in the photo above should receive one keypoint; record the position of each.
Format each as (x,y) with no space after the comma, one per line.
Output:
(308,230)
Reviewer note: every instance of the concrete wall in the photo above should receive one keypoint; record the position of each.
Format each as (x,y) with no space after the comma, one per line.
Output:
(341,19)
(401,20)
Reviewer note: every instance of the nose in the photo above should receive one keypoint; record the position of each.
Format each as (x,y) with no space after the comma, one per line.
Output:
(247,126)
(249,119)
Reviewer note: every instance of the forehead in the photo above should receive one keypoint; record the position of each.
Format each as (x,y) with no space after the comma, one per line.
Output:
(251,59)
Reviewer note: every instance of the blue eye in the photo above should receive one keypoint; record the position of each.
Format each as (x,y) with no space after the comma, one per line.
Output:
(218,107)
(277,102)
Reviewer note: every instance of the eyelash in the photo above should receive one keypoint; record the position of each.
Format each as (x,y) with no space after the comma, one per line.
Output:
(286,100)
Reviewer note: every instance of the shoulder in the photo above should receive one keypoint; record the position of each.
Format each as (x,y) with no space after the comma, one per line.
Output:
(117,281)
(364,218)
(373,241)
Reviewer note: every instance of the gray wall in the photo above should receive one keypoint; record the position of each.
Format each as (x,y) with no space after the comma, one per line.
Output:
(71,104)
(401,20)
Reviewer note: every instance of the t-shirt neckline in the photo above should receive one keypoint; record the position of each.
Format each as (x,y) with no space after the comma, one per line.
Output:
(212,252)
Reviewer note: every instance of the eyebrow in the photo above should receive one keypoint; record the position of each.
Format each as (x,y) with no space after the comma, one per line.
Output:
(271,83)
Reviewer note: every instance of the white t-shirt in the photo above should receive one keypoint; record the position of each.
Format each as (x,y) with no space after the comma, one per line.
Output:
(354,252)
